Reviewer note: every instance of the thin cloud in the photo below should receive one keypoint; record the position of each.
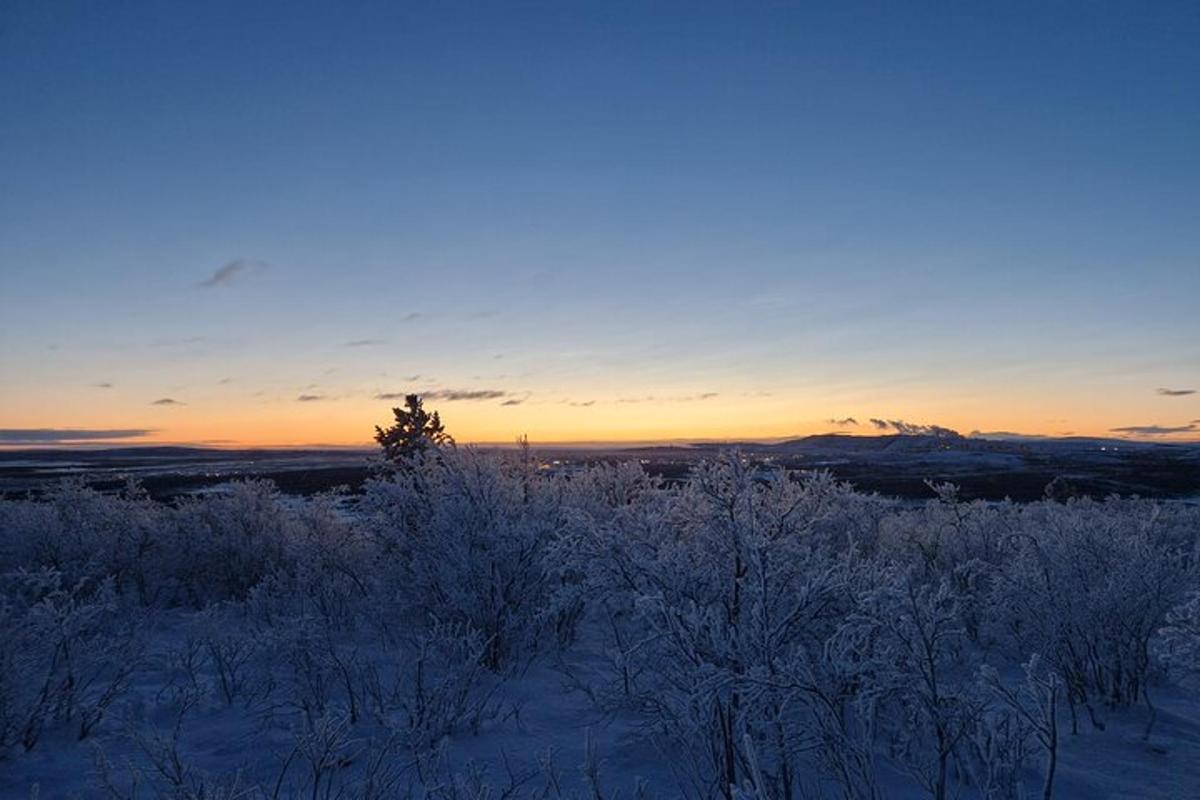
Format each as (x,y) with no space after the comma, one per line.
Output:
(912,429)
(411,316)
(449,395)
(1008,435)
(581,403)
(167,401)
(1174,392)
(225,381)
(68,435)
(309,398)
(513,401)
(103,385)
(230,273)
(686,398)
(364,343)
(452,395)
(843,422)
(1156,430)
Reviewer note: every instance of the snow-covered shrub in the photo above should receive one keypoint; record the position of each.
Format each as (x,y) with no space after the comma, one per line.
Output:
(1087,585)
(227,543)
(1027,715)
(1178,646)
(465,535)
(325,569)
(908,637)
(83,533)
(67,654)
(445,687)
(229,652)
(703,593)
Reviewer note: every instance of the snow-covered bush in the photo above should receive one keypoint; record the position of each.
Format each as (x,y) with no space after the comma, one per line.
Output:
(325,569)
(1088,585)
(465,536)
(1178,646)
(67,654)
(82,534)
(909,637)
(1027,715)
(770,635)
(227,543)
(704,593)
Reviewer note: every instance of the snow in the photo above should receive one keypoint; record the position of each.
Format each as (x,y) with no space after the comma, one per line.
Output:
(478,628)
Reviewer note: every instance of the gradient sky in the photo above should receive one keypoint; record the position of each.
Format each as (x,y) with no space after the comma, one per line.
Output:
(242,222)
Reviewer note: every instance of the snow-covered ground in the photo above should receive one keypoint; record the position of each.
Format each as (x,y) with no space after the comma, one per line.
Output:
(478,629)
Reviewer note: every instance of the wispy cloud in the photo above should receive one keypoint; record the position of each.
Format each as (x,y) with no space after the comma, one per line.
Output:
(231,272)
(1174,392)
(685,398)
(1156,430)
(167,401)
(1009,435)
(911,428)
(514,401)
(309,398)
(411,316)
(103,385)
(581,403)
(364,343)
(68,435)
(452,395)
(843,422)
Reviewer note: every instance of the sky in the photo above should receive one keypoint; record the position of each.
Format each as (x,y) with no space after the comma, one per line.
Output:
(237,223)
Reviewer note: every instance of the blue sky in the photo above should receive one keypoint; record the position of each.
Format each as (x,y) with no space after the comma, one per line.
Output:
(986,218)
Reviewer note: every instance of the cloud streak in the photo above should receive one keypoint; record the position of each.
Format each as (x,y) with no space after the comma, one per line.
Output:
(1174,392)
(310,398)
(167,401)
(230,273)
(364,343)
(843,422)
(911,428)
(687,398)
(1156,430)
(453,395)
(68,435)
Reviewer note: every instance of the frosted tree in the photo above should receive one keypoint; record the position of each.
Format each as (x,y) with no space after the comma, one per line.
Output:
(414,431)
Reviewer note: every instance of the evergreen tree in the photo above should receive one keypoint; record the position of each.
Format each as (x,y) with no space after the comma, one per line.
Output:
(415,431)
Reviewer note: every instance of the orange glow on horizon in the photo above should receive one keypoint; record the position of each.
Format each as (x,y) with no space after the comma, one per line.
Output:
(350,422)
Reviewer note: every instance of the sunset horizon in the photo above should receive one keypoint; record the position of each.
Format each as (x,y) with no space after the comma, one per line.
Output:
(598,400)
(606,226)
